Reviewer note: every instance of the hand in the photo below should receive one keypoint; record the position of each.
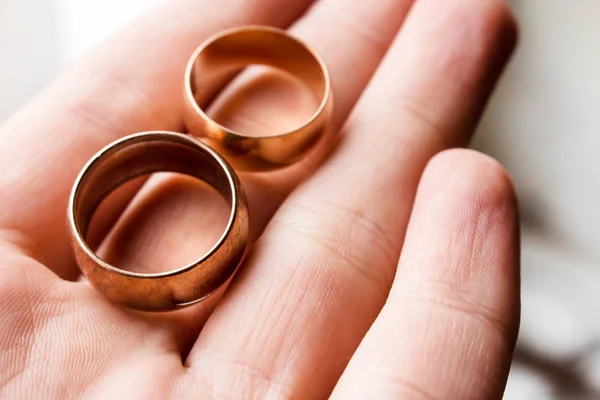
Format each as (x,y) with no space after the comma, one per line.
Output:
(382,270)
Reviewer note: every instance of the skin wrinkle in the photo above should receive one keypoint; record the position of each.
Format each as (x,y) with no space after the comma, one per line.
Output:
(37,352)
(315,282)
(464,303)
(28,331)
(463,240)
(471,350)
(18,291)
(54,315)
(39,347)
(266,379)
(145,348)
(363,229)
(336,252)
(296,279)
(19,346)
(405,389)
(491,369)
(418,354)
(493,365)
(454,333)
(267,311)
(442,136)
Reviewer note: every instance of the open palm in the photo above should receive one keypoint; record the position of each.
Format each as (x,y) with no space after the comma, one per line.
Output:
(342,295)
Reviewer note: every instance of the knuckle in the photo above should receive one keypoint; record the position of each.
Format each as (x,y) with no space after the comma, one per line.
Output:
(451,299)
(346,235)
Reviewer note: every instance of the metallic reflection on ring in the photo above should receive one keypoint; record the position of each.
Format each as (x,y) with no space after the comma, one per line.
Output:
(225,54)
(142,154)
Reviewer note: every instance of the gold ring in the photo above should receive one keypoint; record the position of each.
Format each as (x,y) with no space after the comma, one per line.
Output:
(142,154)
(220,58)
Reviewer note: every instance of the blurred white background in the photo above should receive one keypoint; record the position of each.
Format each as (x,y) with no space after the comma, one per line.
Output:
(37,38)
(543,125)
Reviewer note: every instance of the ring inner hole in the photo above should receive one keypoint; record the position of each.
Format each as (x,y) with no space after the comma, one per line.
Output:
(263,101)
(279,91)
(173,221)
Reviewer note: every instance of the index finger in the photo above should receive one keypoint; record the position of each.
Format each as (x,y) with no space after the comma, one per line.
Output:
(131,83)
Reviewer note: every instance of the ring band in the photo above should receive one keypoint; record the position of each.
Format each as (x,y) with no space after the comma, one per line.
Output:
(222,56)
(142,154)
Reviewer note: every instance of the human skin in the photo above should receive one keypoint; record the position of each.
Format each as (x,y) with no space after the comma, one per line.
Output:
(386,264)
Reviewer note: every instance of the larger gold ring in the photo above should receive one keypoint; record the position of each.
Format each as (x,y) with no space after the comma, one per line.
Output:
(142,154)
(219,58)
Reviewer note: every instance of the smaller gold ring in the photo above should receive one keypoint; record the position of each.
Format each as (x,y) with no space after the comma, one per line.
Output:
(220,58)
(142,154)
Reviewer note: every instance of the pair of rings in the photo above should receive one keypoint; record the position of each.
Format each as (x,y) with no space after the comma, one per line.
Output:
(210,153)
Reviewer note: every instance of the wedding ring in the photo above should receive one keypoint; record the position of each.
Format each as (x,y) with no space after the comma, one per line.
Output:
(225,54)
(142,154)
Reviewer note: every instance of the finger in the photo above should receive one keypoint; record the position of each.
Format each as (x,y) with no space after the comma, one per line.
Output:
(449,326)
(165,211)
(321,271)
(131,83)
